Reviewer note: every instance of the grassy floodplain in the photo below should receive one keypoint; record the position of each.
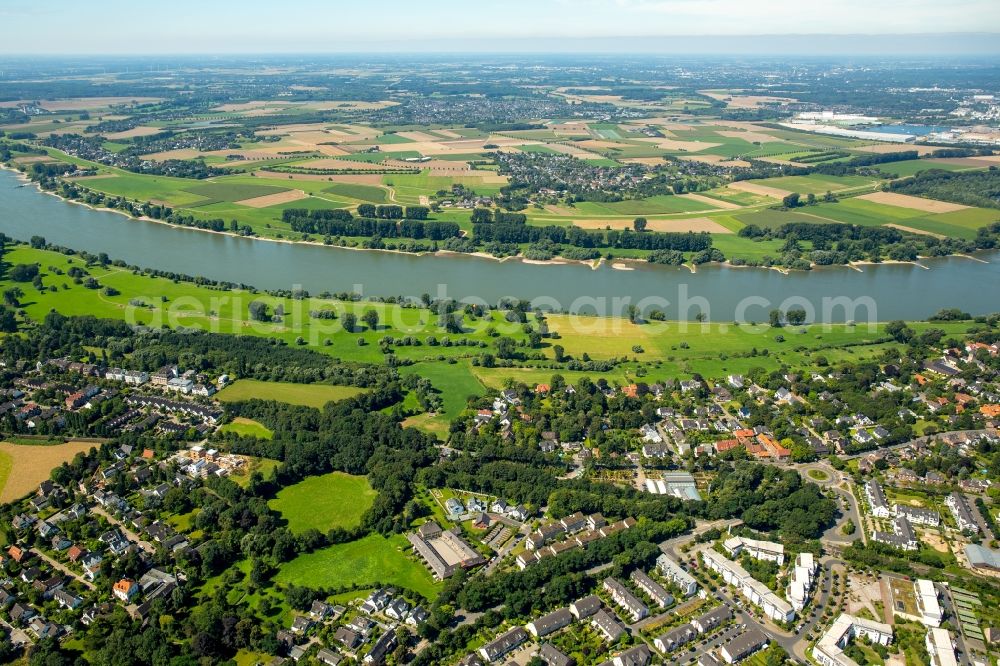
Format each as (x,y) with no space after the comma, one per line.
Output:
(648,352)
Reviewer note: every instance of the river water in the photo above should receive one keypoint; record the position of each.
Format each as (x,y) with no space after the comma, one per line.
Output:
(882,292)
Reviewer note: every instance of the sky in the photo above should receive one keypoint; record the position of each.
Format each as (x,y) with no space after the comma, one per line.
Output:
(330,26)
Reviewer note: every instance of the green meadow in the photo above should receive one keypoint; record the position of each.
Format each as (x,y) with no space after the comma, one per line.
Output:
(324,502)
(308,395)
(374,561)
(245,427)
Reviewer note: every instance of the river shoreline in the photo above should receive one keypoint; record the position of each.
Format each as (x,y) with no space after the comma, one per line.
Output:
(624,263)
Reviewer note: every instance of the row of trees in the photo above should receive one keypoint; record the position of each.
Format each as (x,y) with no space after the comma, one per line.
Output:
(574,236)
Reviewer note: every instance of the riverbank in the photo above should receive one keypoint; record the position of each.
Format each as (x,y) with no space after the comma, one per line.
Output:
(617,263)
(895,291)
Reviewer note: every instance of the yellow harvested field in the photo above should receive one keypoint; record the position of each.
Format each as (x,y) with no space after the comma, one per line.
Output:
(142,130)
(675,144)
(717,203)
(695,224)
(30,465)
(273,199)
(574,127)
(346,165)
(448,133)
(715,159)
(88,103)
(915,231)
(648,161)
(575,151)
(357,178)
(32,159)
(736,101)
(747,136)
(986,160)
(913,203)
(883,148)
(597,144)
(419,136)
(756,188)
(331,151)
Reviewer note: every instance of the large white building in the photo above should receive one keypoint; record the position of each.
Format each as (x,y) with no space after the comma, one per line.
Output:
(759,550)
(876,500)
(940,648)
(829,650)
(962,512)
(755,591)
(927,603)
(673,572)
(800,583)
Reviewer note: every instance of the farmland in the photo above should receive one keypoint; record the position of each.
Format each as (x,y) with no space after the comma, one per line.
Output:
(24,466)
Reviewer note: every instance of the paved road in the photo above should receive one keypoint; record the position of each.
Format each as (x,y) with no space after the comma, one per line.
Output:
(129,534)
(63,568)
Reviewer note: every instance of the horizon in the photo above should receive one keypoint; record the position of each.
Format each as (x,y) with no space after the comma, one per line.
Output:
(312,27)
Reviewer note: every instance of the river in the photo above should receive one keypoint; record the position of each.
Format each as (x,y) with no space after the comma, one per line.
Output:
(724,293)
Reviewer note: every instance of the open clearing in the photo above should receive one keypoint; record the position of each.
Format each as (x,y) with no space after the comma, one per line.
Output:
(715,203)
(755,188)
(911,230)
(913,203)
(273,199)
(372,561)
(247,428)
(24,466)
(310,395)
(325,502)
(142,130)
(696,224)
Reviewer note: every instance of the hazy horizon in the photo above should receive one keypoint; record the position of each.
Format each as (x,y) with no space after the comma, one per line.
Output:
(119,27)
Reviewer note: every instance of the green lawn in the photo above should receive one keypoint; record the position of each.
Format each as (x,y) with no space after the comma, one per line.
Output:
(325,502)
(247,428)
(374,560)
(310,395)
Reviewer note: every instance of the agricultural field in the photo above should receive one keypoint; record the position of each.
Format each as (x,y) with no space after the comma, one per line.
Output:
(374,560)
(24,466)
(334,500)
(309,395)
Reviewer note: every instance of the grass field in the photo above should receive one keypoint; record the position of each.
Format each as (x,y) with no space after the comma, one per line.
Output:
(23,467)
(325,502)
(361,192)
(247,428)
(650,206)
(309,395)
(815,184)
(374,560)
